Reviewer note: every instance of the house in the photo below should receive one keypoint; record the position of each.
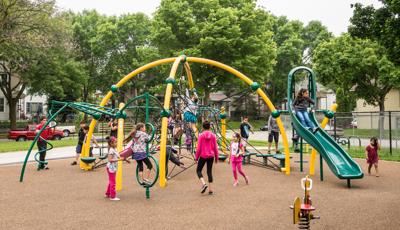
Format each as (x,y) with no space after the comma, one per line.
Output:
(29,106)
(368,116)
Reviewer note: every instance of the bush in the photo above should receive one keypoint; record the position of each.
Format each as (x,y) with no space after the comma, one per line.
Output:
(6,124)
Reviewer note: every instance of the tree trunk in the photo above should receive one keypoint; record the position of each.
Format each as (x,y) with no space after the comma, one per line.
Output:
(206,100)
(12,113)
(84,99)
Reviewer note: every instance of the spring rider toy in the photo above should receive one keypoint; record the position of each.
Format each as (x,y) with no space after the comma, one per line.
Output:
(302,212)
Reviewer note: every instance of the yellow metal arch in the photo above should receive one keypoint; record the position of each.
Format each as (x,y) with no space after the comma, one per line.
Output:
(167,100)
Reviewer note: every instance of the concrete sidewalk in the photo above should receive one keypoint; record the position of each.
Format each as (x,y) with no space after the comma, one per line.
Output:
(19,157)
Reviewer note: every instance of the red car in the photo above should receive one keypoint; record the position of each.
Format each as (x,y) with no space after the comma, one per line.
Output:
(29,133)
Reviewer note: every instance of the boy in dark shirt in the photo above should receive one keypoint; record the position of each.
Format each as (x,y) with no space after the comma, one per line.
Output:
(245,129)
(81,138)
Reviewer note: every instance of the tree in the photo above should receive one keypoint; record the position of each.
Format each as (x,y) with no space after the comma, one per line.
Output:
(290,45)
(33,38)
(359,68)
(125,41)
(381,25)
(295,46)
(85,27)
(233,32)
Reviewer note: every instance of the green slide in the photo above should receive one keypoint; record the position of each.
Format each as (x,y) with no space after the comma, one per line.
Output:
(340,163)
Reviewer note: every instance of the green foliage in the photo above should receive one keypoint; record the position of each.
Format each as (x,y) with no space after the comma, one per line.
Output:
(381,25)
(357,69)
(35,52)
(6,124)
(232,32)
(295,46)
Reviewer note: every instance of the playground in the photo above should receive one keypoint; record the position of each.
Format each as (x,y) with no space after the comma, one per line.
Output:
(70,199)
(115,116)
(169,197)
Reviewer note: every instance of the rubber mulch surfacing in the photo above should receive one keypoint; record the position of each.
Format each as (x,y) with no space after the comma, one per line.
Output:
(66,197)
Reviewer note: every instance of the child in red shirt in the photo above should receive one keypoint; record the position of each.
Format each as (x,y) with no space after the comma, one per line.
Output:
(371,153)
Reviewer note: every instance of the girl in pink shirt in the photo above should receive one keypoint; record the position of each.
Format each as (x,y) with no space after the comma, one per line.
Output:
(207,152)
(236,157)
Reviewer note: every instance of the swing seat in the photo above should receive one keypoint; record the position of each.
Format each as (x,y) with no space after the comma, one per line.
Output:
(103,157)
(222,157)
(88,160)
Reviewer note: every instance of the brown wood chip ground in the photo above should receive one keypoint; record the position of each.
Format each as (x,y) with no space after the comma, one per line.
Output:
(65,197)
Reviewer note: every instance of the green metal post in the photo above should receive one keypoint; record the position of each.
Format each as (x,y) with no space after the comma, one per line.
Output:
(21,178)
(321,167)
(147,144)
(147,192)
(301,154)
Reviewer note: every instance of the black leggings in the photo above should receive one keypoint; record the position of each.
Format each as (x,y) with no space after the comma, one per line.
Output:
(146,161)
(200,165)
(42,146)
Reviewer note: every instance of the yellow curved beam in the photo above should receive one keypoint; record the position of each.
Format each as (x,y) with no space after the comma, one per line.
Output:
(86,146)
(314,152)
(189,75)
(164,122)
(260,92)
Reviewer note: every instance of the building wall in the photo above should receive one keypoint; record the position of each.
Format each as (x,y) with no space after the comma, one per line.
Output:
(22,112)
(4,113)
(371,121)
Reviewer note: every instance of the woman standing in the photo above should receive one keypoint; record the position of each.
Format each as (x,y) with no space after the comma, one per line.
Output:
(206,153)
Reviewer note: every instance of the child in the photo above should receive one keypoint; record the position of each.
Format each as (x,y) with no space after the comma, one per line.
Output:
(41,144)
(236,157)
(140,138)
(273,131)
(371,153)
(170,150)
(93,140)
(113,124)
(177,129)
(190,110)
(81,138)
(301,103)
(112,168)
(207,152)
(245,129)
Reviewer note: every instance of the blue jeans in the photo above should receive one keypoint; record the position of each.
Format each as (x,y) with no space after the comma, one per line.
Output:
(305,119)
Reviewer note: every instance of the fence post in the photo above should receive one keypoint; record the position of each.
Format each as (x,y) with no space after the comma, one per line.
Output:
(390,132)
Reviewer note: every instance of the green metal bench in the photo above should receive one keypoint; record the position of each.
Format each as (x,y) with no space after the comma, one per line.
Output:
(281,158)
(265,157)
(247,156)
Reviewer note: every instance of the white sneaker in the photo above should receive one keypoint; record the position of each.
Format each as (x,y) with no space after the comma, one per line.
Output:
(115,199)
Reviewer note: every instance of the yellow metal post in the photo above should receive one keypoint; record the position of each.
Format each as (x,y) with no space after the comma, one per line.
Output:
(120,140)
(164,123)
(314,152)
(223,130)
(86,146)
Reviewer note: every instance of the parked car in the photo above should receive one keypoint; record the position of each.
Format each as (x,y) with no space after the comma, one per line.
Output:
(354,123)
(67,129)
(29,133)
(264,128)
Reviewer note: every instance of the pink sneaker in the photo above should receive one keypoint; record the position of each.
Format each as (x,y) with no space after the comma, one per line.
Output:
(236,183)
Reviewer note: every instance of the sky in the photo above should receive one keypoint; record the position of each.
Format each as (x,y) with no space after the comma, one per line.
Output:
(334,14)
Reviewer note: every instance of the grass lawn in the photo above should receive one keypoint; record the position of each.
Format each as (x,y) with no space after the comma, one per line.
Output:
(384,153)
(257,124)
(11,146)
(370,133)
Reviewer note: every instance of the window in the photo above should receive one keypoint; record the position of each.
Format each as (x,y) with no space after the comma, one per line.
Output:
(1,104)
(34,107)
